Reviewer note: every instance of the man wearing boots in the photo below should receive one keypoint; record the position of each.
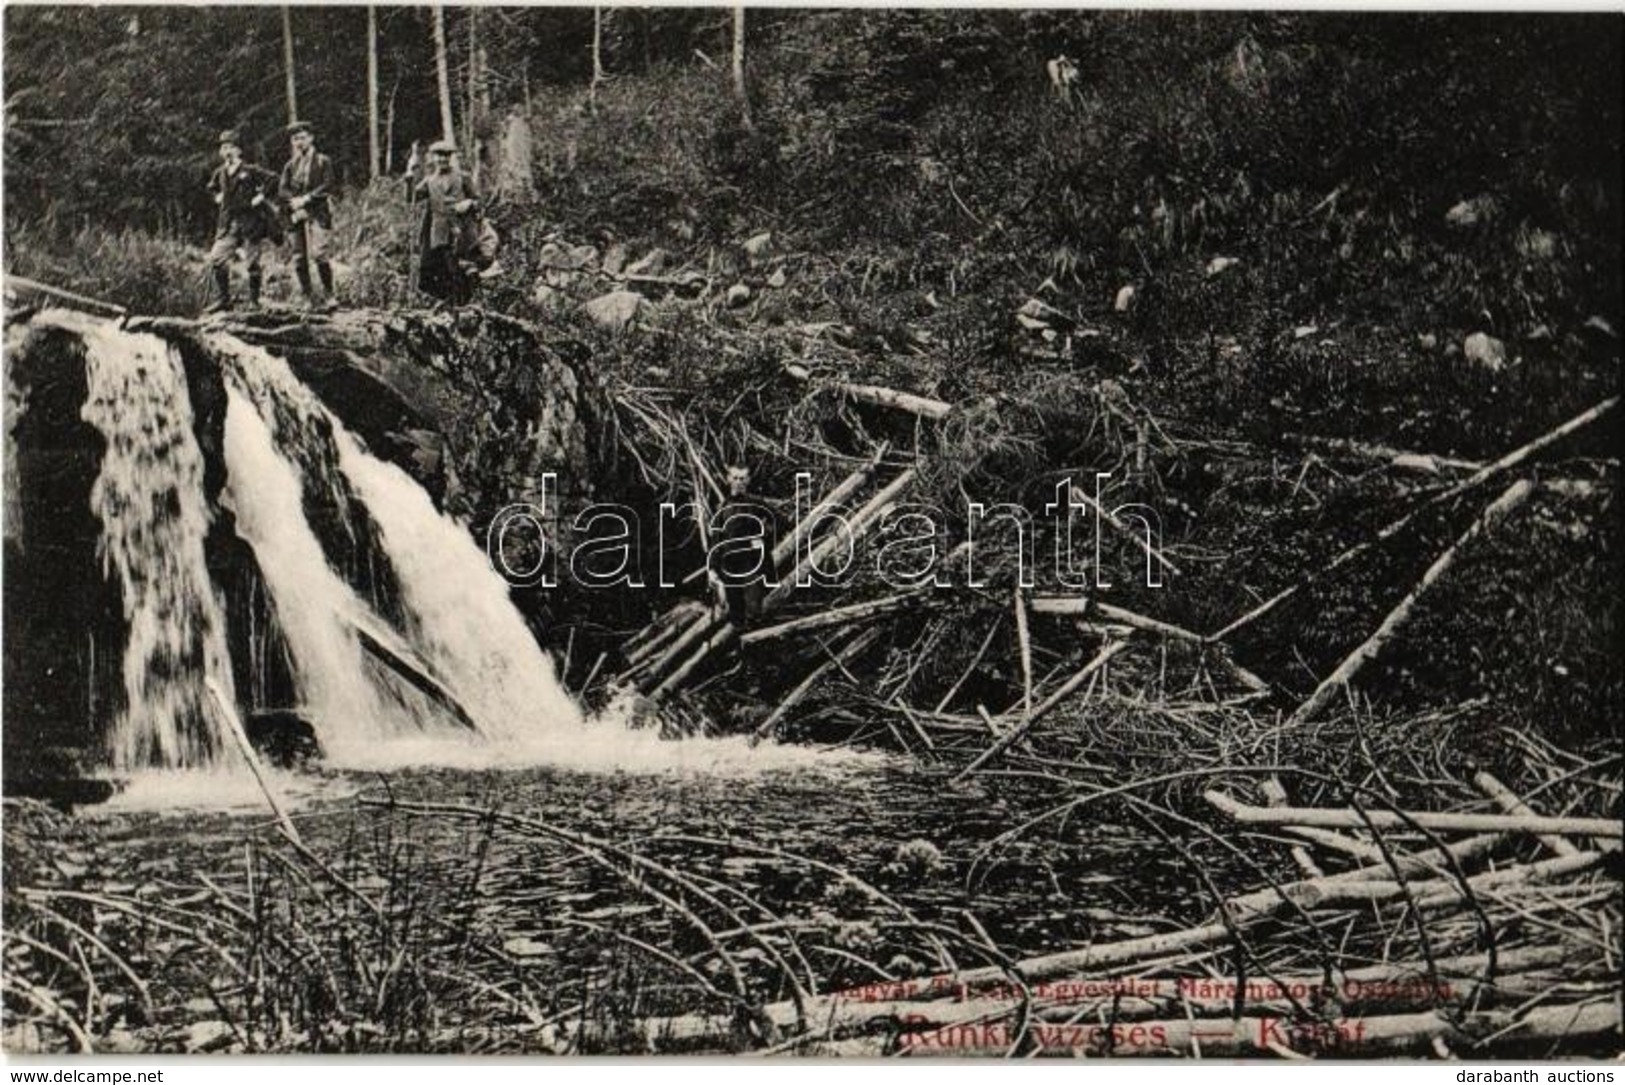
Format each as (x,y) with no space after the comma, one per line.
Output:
(243,194)
(306,182)
(450,204)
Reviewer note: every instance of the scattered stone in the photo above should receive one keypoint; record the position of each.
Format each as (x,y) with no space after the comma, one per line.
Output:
(1537,244)
(526,947)
(615,259)
(777,279)
(1037,309)
(652,263)
(1469,213)
(567,257)
(1428,341)
(1032,324)
(209,1035)
(759,247)
(1598,324)
(1304,331)
(738,294)
(1485,350)
(1220,264)
(1541,332)
(1125,300)
(616,310)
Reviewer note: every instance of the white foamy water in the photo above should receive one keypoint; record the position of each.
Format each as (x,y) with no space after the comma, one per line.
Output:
(314,608)
(150,500)
(176,791)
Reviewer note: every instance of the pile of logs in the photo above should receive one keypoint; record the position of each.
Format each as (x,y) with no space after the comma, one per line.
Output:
(1247,982)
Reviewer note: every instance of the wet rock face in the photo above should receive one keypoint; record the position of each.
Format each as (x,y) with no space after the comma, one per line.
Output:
(63,617)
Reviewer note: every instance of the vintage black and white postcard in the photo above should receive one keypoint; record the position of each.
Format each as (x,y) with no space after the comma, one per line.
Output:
(815,532)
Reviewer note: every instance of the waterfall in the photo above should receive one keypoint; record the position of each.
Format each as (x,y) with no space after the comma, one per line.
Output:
(463,622)
(403,644)
(150,500)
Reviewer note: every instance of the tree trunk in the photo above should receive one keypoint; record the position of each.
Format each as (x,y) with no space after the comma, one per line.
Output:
(739,67)
(471,99)
(442,73)
(389,125)
(287,63)
(373,156)
(597,58)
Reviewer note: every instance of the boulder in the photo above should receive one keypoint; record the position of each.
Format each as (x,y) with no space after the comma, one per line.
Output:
(1124,300)
(616,310)
(283,738)
(777,279)
(1485,350)
(738,294)
(1220,264)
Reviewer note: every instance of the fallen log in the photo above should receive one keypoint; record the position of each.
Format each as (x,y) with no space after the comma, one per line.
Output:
(786,547)
(1414,461)
(1111,520)
(859,524)
(854,612)
(1494,513)
(234,727)
(924,407)
(1324,818)
(1509,801)
(836,658)
(1081,605)
(1500,467)
(78,301)
(413,671)
(1015,734)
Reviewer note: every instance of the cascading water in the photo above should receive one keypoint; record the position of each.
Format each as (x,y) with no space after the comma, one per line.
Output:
(366,582)
(150,500)
(462,620)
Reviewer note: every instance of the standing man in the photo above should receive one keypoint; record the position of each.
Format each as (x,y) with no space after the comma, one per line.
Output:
(243,194)
(305,187)
(449,208)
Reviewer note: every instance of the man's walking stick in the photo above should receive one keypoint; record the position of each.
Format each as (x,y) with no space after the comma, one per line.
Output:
(412,246)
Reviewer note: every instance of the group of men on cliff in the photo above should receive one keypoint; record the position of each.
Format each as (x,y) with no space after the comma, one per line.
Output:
(257,208)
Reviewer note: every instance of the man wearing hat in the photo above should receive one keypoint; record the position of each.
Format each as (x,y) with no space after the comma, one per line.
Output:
(450,206)
(243,194)
(306,182)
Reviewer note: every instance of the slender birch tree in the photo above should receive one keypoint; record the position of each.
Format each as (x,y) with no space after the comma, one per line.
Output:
(373,157)
(739,67)
(443,73)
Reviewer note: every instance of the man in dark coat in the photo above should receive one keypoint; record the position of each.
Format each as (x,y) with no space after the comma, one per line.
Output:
(450,206)
(741,550)
(243,194)
(306,190)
